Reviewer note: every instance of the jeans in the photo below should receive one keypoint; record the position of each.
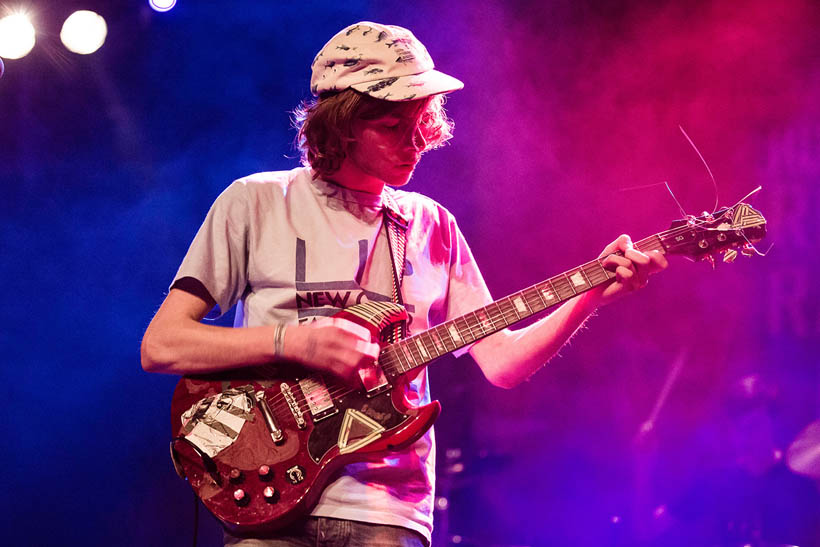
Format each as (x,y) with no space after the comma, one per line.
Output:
(328,532)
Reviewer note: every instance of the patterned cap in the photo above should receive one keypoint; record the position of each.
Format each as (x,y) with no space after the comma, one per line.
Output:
(384,61)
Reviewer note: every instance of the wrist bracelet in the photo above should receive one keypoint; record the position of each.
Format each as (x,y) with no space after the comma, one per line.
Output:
(279,340)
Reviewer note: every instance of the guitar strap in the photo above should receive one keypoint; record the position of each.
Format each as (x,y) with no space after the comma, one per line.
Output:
(395,224)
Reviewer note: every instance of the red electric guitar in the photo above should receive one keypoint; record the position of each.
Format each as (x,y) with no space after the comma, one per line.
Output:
(259,445)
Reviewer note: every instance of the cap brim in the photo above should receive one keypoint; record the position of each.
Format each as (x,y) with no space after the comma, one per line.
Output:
(408,88)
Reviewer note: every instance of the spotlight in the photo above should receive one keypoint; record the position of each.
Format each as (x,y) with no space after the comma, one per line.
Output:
(84,32)
(162,5)
(16,36)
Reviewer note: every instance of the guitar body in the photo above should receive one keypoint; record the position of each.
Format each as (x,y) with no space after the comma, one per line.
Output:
(319,436)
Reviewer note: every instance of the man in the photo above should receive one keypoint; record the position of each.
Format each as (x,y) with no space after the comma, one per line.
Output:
(278,244)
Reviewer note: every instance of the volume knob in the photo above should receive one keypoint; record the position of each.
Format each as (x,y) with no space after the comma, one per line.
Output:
(270,494)
(265,473)
(241,497)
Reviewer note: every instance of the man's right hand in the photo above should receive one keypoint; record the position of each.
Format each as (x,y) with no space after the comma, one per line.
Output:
(333,345)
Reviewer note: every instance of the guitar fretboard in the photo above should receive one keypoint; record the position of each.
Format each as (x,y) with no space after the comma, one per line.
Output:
(420,349)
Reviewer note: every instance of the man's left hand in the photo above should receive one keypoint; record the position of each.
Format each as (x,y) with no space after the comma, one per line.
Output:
(632,270)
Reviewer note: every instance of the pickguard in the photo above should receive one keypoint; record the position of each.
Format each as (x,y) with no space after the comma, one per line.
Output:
(326,434)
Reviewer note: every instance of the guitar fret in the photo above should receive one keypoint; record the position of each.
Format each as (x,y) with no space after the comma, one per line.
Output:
(390,361)
(504,306)
(418,357)
(441,344)
(451,330)
(549,294)
(539,293)
(403,366)
(584,275)
(419,340)
(591,274)
(463,328)
(407,347)
(562,287)
(576,280)
(557,285)
(513,308)
(478,328)
(430,343)
(607,274)
(500,314)
(533,300)
(478,325)
(470,319)
(520,305)
(484,321)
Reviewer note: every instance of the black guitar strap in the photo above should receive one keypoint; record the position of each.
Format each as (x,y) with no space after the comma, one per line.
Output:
(396,226)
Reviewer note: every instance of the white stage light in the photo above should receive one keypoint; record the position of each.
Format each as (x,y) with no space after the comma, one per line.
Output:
(16,36)
(162,5)
(84,32)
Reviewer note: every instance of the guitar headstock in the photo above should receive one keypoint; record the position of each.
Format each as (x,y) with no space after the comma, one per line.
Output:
(700,238)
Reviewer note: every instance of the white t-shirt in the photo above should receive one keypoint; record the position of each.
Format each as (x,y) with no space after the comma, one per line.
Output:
(288,248)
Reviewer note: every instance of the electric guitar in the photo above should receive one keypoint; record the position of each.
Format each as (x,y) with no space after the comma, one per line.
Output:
(259,445)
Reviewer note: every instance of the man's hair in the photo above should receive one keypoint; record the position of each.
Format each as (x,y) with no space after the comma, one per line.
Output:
(325,126)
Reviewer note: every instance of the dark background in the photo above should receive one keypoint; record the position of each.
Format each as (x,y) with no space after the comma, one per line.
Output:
(566,128)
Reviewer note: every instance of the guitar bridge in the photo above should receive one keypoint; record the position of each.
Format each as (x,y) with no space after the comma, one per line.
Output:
(318,398)
(293,405)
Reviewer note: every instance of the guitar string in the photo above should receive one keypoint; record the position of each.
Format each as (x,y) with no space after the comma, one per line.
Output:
(390,358)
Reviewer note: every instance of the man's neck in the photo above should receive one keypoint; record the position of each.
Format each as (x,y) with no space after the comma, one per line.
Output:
(351,176)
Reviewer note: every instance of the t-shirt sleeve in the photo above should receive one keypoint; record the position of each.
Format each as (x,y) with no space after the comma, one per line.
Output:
(467,290)
(218,255)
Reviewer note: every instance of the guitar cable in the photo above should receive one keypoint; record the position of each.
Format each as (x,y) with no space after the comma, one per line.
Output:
(209,465)
(196,518)
(207,462)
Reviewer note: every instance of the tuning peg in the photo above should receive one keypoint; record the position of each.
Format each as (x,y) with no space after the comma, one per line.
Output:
(729,256)
(747,250)
(710,259)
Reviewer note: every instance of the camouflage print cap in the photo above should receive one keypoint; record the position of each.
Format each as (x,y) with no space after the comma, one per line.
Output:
(383,61)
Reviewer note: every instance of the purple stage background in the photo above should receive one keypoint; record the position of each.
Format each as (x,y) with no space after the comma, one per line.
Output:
(565,132)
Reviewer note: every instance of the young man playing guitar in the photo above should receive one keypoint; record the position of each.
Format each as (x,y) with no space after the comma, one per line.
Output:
(292,248)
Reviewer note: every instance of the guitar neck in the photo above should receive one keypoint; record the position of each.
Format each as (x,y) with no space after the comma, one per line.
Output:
(420,349)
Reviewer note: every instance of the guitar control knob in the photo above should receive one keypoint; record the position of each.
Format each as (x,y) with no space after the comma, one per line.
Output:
(236,476)
(241,497)
(265,473)
(270,494)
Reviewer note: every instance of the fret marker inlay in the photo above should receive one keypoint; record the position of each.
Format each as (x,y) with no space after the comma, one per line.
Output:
(578,279)
(548,296)
(454,334)
(438,342)
(519,304)
(486,324)
(422,351)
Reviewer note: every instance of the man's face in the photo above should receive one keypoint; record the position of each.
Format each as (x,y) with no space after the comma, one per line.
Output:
(388,148)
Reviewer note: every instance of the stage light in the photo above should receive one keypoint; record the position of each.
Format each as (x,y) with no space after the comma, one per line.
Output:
(162,5)
(16,36)
(83,32)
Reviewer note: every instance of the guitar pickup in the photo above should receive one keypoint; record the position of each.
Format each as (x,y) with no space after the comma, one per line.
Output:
(318,398)
(373,380)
